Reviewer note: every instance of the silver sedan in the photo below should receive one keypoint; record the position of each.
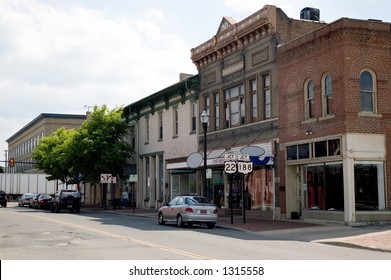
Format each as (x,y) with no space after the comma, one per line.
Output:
(188,210)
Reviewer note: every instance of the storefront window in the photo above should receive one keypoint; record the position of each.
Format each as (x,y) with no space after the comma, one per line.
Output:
(304,151)
(260,187)
(325,186)
(321,149)
(291,152)
(369,186)
(183,184)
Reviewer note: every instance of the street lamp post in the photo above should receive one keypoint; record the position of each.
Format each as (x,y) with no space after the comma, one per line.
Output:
(205,120)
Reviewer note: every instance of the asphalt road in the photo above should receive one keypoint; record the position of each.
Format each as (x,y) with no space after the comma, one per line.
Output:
(29,234)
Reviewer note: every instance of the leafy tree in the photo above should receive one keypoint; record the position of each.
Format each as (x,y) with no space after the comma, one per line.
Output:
(52,155)
(99,145)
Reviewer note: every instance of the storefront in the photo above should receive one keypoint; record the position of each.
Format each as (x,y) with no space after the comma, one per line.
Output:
(340,178)
(255,189)
(257,186)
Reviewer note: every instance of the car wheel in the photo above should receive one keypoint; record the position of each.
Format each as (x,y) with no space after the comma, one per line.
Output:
(77,210)
(179,221)
(210,225)
(161,219)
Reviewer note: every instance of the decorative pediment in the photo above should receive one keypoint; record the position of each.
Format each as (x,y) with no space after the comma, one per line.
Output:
(225,23)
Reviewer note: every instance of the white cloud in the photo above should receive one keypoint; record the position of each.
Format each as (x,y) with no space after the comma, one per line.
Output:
(58,59)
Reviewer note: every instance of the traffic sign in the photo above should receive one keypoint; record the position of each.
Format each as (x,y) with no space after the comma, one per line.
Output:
(245,167)
(230,156)
(237,162)
(243,157)
(107,178)
(230,167)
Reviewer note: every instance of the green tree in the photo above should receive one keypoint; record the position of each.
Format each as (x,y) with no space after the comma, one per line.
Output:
(52,155)
(99,145)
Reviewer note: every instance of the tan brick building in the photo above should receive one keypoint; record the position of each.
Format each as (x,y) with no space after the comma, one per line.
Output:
(22,143)
(335,127)
(238,88)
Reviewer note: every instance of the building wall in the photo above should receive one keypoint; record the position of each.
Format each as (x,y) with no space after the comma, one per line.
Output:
(343,48)
(153,152)
(237,54)
(22,143)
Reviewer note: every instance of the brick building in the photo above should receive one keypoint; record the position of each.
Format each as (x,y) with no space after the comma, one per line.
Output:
(335,127)
(238,88)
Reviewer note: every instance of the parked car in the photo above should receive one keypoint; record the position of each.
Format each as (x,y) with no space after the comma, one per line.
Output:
(187,210)
(33,201)
(3,198)
(25,199)
(66,199)
(43,202)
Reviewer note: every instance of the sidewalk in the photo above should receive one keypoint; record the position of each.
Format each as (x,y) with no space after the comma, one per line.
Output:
(380,241)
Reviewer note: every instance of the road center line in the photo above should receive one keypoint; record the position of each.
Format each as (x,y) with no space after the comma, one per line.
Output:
(124,237)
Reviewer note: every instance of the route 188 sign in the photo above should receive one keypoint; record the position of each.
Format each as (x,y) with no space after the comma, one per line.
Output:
(245,167)
(242,165)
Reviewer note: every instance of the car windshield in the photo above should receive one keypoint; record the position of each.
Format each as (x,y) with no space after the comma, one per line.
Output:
(45,196)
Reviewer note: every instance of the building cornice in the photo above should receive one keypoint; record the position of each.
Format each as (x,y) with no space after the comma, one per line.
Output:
(42,117)
(232,37)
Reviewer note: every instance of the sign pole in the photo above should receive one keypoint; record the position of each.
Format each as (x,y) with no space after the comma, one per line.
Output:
(230,200)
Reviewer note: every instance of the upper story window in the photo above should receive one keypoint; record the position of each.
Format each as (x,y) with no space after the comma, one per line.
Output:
(193,113)
(217,111)
(267,99)
(160,120)
(146,130)
(132,137)
(175,122)
(327,90)
(234,106)
(309,99)
(254,100)
(207,104)
(367,92)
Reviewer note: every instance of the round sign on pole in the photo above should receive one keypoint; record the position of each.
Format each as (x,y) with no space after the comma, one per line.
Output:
(253,151)
(194,160)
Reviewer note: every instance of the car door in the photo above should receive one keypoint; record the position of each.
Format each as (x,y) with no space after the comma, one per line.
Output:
(168,211)
(177,208)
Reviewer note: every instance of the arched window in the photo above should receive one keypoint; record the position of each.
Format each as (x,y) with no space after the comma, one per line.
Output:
(309,99)
(327,89)
(367,92)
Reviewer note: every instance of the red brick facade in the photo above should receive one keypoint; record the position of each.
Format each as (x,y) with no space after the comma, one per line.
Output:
(343,49)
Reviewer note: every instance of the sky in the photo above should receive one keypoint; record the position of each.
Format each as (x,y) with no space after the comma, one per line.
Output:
(63,56)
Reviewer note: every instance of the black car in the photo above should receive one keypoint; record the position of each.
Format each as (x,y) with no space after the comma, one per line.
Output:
(66,199)
(3,198)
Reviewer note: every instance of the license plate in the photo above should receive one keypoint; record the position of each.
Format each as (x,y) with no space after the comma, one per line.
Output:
(69,206)
(203,212)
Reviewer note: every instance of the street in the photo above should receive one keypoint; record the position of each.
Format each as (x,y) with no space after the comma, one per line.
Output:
(29,234)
